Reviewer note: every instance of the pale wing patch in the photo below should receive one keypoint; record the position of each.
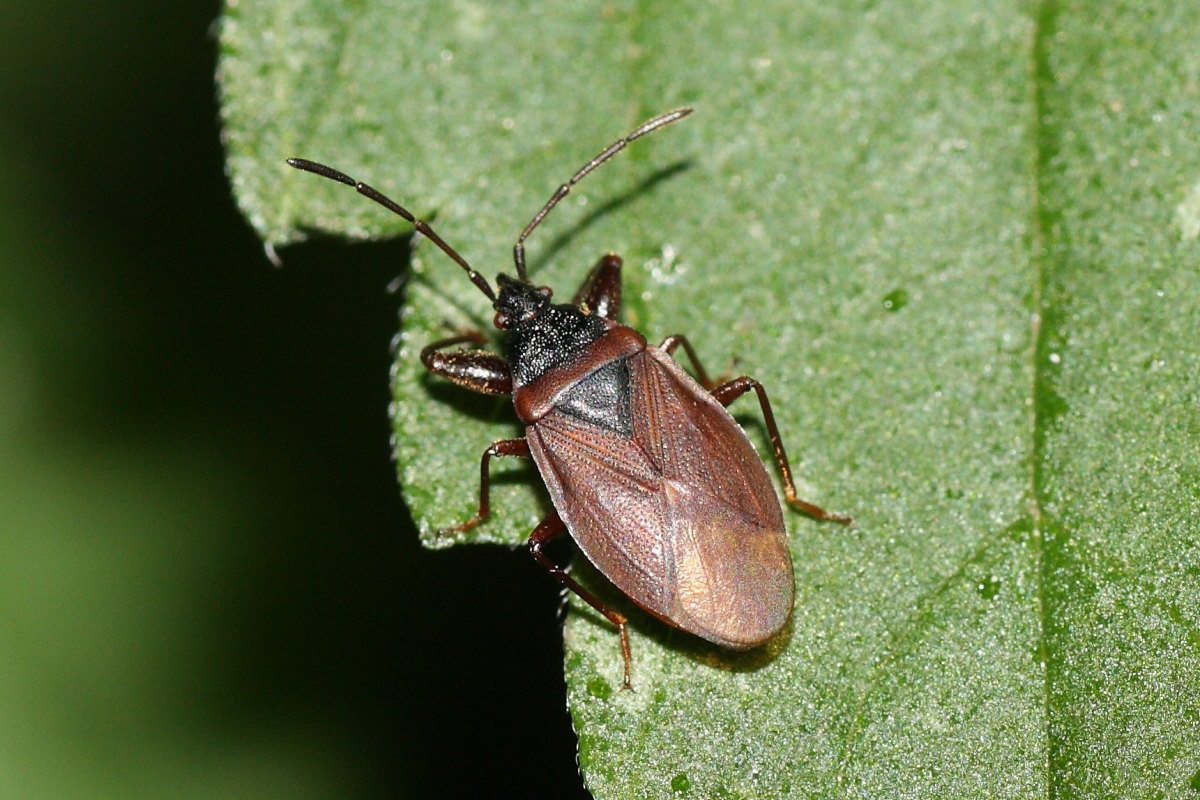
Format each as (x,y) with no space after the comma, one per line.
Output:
(733,577)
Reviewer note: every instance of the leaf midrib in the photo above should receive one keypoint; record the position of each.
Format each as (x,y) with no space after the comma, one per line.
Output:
(1041,80)
(1042,146)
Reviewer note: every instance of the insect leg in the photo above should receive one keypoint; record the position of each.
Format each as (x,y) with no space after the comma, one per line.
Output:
(476,370)
(504,447)
(725,394)
(600,293)
(671,342)
(550,528)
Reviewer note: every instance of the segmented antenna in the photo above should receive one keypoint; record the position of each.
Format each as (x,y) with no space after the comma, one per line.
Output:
(649,126)
(661,121)
(379,197)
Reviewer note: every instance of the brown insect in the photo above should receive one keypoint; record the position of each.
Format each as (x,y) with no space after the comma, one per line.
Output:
(654,480)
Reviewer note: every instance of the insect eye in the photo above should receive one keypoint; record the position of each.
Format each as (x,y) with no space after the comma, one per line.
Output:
(500,320)
(545,291)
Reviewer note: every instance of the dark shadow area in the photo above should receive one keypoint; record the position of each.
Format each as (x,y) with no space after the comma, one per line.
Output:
(423,661)
(472,405)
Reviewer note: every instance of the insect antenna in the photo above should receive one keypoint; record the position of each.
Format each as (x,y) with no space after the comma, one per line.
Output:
(390,204)
(649,126)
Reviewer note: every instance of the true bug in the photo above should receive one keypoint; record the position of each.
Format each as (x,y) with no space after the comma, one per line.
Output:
(654,480)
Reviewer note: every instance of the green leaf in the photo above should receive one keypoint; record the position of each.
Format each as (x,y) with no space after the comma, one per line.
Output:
(958,244)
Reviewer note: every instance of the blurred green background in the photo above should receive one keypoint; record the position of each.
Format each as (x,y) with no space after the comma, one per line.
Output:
(209,586)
